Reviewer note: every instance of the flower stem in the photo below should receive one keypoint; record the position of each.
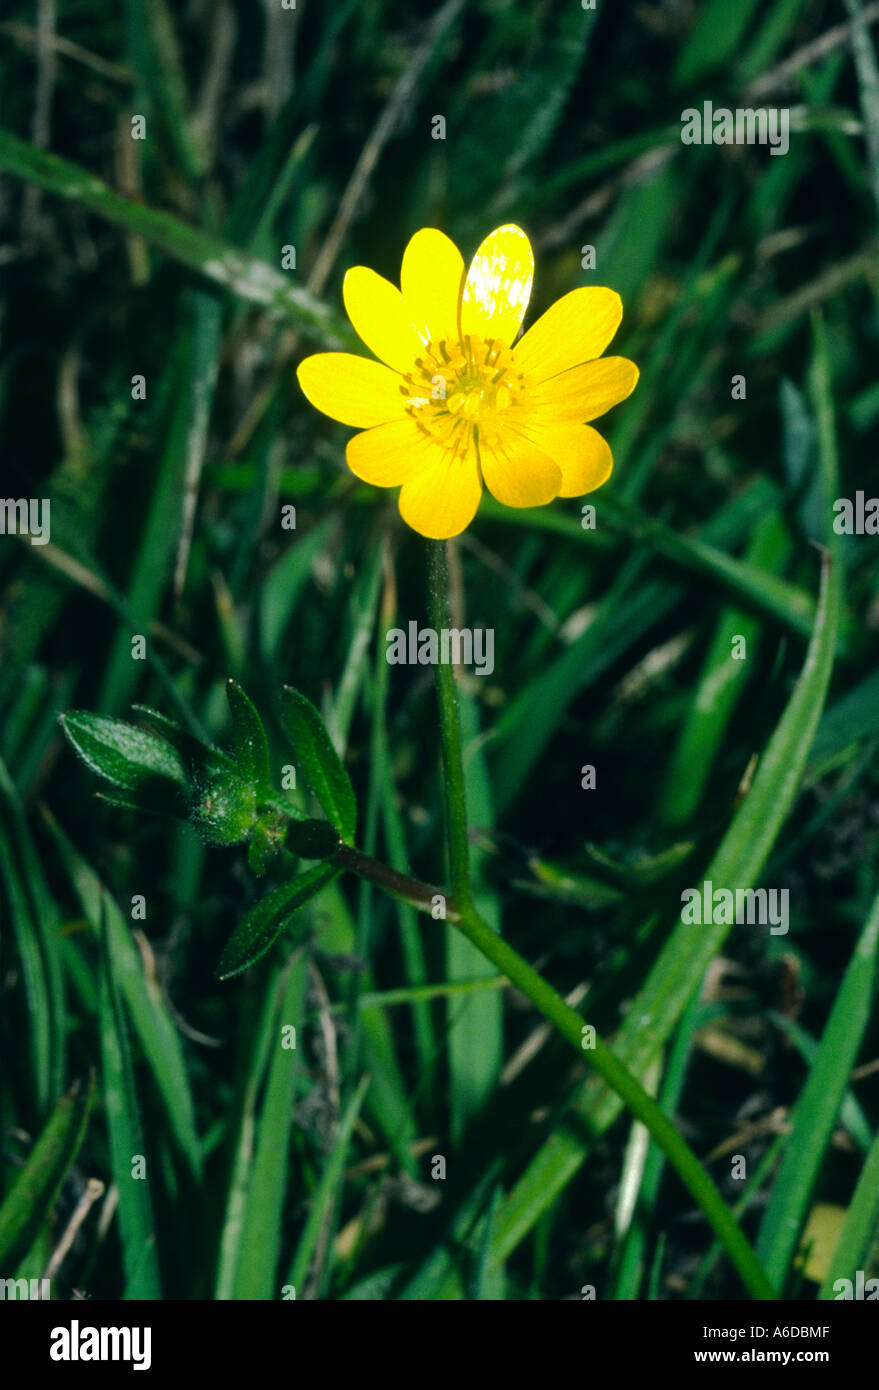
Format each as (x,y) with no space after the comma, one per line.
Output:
(408,890)
(542,995)
(450,731)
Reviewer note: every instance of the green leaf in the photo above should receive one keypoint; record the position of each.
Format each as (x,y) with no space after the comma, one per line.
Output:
(260,1238)
(818,1107)
(475,1024)
(326,1195)
(713,39)
(851,1114)
(136,1225)
(132,759)
(256,1033)
(195,755)
(37,1186)
(252,280)
(320,763)
(265,921)
(251,744)
(35,925)
(157,1032)
(859,1228)
(720,687)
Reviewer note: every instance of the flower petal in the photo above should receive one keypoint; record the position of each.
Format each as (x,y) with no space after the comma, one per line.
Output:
(518,472)
(389,454)
(441,501)
(431,278)
(498,285)
(577,328)
(581,453)
(375,308)
(352,389)
(583,393)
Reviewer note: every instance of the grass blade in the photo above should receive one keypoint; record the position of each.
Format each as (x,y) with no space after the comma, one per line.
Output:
(149,1016)
(260,1242)
(139,1254)
(818,1107)
(326,1193)
(251,280)
(859,1228)
(37,1186)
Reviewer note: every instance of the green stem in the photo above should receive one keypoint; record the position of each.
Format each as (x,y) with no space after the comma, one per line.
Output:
(450,731)
(542,995)
(407,890)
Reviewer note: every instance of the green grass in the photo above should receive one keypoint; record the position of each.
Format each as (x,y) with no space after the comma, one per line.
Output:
(431,1134)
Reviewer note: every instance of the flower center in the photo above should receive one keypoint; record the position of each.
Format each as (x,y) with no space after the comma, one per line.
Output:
(461,392)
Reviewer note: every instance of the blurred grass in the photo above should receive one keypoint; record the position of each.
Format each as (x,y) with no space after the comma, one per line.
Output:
(426,1137)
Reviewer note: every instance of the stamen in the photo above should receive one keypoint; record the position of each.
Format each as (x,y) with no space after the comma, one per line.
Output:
(480,385)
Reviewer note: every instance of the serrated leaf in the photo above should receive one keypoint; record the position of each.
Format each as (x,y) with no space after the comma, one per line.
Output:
(265,921)
(251,744)
(132,759)
(320,763)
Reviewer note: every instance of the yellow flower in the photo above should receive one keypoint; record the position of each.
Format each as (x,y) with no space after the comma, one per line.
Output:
(452,404)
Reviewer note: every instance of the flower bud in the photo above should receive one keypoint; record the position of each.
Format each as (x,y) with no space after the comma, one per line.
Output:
(224,809)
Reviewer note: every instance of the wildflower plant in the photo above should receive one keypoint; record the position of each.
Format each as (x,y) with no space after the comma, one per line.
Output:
(326,978)
(513,417)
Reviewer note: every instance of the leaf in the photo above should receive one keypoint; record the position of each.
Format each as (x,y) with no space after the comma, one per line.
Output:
(719,688)
(260,1237)
(136,1224)
(713,39)
(195,755)
(265,921)
(130,758)
(320,763)
(252,280)
(851,1114)
(818,1106)
(156,1031)
(475,1023)
(859,1229)
(153,541)
(35,925)
(326,1195)
(251,744)
(256,1029)
(37,1186)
